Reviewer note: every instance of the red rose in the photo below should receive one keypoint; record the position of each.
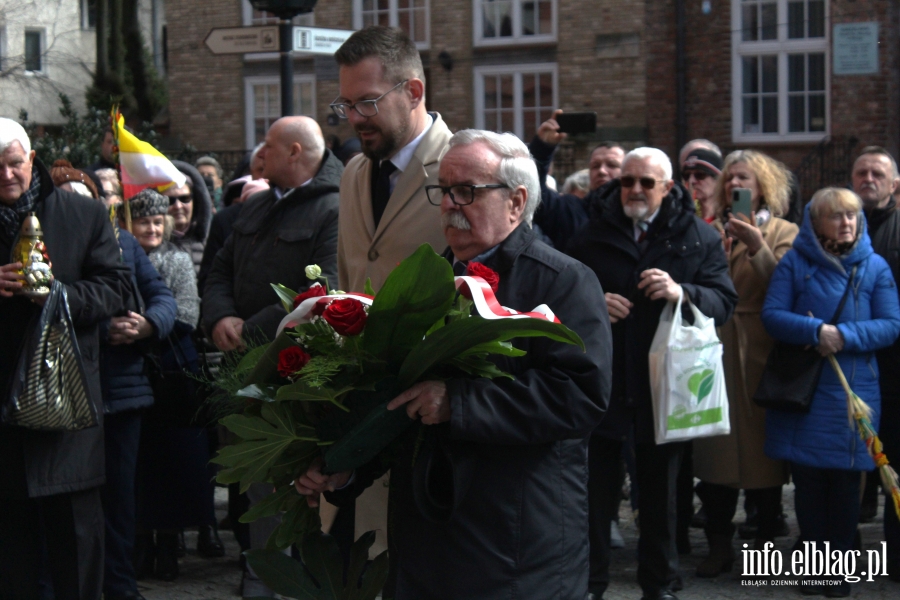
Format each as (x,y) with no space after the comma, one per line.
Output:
(313,292)
(347,316)
(291,360)
(476,269)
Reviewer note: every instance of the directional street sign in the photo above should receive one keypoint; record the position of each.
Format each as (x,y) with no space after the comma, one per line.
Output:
(238,40)
(315,40)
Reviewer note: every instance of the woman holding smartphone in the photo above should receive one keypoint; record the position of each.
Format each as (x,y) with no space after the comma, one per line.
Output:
(755,239)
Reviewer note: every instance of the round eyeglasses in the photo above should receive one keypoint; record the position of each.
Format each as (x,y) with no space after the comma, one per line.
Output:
(365,108)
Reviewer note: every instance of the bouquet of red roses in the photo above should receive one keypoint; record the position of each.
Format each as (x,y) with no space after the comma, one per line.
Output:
(320,389)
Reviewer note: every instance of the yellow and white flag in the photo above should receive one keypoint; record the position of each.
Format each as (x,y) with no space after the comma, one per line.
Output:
(141,164)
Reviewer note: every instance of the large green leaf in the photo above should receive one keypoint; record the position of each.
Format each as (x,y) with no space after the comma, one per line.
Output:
(418,292)
(478,366)
(373,579)
(300,390)
(323,559)
(286,295)
(283,574)
(459,336)
(364,582)
(297,521)
(270,505)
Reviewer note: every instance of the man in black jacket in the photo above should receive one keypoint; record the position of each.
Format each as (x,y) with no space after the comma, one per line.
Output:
(646,246)
(875,179)
(277,234)
(506,459)
(560,216)
(50,481)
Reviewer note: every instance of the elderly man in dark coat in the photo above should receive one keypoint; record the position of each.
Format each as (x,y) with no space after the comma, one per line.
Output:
(646,245)
(506,459)
(50,481)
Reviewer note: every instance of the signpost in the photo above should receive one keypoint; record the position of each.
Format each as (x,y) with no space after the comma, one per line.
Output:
(316,40)
(240,40)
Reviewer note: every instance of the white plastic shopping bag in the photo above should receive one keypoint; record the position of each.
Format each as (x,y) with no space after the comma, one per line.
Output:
(686,378)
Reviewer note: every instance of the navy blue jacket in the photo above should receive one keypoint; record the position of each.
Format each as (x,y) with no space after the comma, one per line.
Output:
(809,280)
(122,376)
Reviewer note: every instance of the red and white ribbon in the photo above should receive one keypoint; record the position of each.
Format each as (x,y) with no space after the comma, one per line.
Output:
(489,308)
(486,305)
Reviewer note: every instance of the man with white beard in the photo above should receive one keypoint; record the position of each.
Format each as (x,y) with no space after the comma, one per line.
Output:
(646,246)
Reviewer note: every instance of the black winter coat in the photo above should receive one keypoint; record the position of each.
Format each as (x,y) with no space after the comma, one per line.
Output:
(516,469)
(273,241)
(219,230)
(85,256)
(122,374)
(680,244)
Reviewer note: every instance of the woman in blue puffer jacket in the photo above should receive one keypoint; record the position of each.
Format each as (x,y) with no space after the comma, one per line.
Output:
(823,446)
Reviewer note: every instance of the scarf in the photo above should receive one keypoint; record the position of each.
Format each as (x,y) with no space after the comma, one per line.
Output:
(11,216)
(835,247)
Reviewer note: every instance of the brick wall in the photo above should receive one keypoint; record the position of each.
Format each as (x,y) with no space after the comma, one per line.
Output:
(865,106)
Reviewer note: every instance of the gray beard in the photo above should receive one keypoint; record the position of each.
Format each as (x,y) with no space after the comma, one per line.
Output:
(455,219)
(636,212)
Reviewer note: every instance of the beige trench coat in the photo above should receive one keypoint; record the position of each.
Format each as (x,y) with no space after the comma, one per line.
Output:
(737,460)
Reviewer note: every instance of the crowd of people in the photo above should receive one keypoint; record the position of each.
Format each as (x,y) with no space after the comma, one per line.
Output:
(529,470)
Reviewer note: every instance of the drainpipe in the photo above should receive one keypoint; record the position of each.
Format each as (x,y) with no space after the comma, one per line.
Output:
(680,74)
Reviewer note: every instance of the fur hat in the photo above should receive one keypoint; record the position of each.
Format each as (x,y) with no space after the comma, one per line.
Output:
(148,203)
(703,160)
(62,172)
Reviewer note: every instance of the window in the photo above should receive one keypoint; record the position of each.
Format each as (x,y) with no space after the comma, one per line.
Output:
(263,102)
(88,14)
(34,50)
(515,98)
(779,70)
(514,21)
(2,49)
(411,16)
(260,17)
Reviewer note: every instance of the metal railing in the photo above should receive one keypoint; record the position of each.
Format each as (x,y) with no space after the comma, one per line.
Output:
(829,164)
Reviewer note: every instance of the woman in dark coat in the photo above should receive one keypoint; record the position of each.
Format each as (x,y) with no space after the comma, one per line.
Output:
(173,484)
(823,446)
(126,391)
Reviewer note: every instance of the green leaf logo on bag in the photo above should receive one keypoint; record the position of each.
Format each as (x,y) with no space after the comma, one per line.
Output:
(701,384)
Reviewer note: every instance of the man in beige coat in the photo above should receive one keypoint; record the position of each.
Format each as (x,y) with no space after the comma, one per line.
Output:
(382,85)
(384,212)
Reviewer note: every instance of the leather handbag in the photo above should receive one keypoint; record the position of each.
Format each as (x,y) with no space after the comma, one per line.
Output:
(792,371)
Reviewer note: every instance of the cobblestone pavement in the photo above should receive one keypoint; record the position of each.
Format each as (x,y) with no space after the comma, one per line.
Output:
(220,578)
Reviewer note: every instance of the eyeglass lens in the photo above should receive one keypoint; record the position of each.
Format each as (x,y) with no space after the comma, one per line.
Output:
(185,199)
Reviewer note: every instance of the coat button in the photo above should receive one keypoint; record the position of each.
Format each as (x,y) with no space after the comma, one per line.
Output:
(373,255)
(807,276)
(683,248)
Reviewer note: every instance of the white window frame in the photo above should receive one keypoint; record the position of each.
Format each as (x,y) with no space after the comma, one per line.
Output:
(394,16)
(516,38)
(781,47)
(304,20)
(249,107)
(84,9)
(43,33)
(516,70)
(2,48)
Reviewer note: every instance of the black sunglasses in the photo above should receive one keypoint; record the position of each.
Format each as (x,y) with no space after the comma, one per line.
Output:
(648,183)
(697,175)
(185,199)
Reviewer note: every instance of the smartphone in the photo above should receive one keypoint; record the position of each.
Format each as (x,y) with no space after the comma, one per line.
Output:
(740,202)
(577,122)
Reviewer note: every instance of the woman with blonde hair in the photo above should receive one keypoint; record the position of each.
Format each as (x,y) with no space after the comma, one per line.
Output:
(832,259)
(728,464)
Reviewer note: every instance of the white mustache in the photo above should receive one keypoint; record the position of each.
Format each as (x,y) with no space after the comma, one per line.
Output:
(455,219)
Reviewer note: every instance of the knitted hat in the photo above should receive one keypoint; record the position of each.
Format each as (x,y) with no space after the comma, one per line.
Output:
(148,203)
(703,160)
(62,172)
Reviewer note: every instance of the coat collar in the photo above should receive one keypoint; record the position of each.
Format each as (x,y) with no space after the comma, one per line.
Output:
(508,251)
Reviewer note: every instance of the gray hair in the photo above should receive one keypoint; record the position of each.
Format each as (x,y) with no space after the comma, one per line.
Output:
(516,165)
(579,180)
(655,156)
(880,151)
(10,132)
(697,143)
(211,162)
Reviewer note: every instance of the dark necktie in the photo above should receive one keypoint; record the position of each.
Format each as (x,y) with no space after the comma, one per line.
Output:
(459,268)
(643,226)
(381,188)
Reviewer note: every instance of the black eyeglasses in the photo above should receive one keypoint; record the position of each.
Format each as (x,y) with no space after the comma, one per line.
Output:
(185,199)
(460,194)
(648,183)
(365,108)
